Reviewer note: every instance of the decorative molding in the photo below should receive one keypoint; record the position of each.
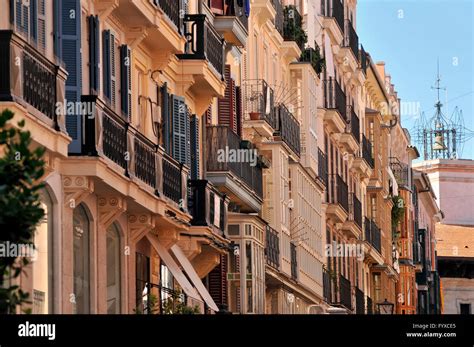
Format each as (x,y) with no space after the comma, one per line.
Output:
(110,208)
(76,189)
(139,225)
(105,8)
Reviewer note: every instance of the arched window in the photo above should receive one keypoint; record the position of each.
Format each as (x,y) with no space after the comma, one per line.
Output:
(113,270)
(43,260)
(81,234)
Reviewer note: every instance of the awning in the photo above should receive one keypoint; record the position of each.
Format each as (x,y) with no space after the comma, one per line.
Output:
(193,276)
(188,289)
(394,181)
(328,56)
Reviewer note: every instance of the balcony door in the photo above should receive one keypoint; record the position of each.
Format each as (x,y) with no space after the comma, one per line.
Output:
(81,234)
(113,270)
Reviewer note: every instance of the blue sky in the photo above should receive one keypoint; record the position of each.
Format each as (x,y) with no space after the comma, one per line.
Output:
(410,36)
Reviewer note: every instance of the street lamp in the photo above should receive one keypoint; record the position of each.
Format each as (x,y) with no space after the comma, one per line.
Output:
(385,307)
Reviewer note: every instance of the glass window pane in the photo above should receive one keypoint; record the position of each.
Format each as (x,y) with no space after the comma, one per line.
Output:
(113,270)
(81,260)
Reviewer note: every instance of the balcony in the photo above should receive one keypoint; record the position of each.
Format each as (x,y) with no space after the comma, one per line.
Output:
(129,153)
(345,293)
(338,199)
(401,171)
(203,57)
(313,56)
(272,247)
(351,40)
(264,10)
(293,27)
(240,178)
(350,139)
(333,13)
(279,16)
(363,59)
(322,168)
(33,85)
(353,226)
(158,23)
(335,106)
(364,164)
(259,109)
(288,129)
(294,261)
(373,242)
(233,23)
(207,206)
(360,301)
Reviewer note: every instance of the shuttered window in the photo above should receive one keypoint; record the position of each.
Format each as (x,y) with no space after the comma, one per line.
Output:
(110,67)
(126,80)
(21,13)
(181,130)
(217,283)
(166,119)
(68,46)
(195,148)
(227,106)
(94,54)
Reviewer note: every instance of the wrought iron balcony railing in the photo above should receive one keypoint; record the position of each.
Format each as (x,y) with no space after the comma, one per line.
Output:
(235,8)
(222,138)
(322,167)
(351,39)
(272,247)
(335,9)
(172,9)
(334,97)
(355,208)
(373,234)
(279,17)
(401,171)
(288,128)
(293,26)
(207,206)
(26,74)
(132,151)
(313,56)
(259,102)
(294,261)
(338,192)
(345,295)
(353,124)
(367,152)
(203,42)
(360,301)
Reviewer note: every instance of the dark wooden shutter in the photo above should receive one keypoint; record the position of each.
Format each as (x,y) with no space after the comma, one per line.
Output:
(94,56)
(238,108)
(217,6)
(208,115)
(227,104)
(126,80)
(195,148)
(41,24)
(34,20)
(181,134)
(106,58)
(110,74)
(69,33)
(166,119)
(217,283)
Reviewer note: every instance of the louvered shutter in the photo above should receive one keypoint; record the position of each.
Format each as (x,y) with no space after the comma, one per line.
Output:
(217,6)
(126,80)
(94,56)
(33,20)
(110,74)
(208,115)
(181,134)
(41,24)
(195,148)
(238,109)
(166,119)
(227,104)
(69,35)
(21,15)
(217,283)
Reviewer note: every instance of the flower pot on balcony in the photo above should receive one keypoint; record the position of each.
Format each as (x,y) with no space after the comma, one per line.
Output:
(254,115)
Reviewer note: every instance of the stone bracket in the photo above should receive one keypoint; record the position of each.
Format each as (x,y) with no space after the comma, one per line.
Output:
(110,208)
(139,225)
(76,189)
(105,8)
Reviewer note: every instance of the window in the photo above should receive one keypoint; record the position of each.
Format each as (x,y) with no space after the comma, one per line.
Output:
(377,287)
(113,270)
(81,234)
(372,137)
(42,267)
(373,207)
(465,308)
(143,279)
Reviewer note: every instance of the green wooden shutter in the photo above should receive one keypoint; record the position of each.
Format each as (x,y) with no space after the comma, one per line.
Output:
(181,134)
(94,56)
(195,147)
(126,80)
